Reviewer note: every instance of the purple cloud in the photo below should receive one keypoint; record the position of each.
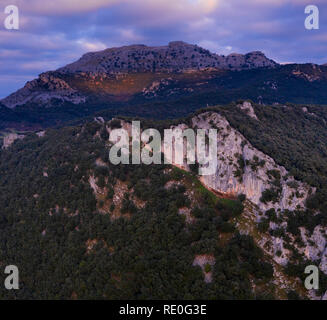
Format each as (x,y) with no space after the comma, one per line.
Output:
(51,35)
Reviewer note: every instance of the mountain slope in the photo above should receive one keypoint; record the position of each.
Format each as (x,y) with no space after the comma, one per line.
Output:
(86,225)
(94,230)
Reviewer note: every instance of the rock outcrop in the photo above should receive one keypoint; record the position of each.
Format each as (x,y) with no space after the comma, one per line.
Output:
(10,138)
(242,169)
(248,109)
(177,56)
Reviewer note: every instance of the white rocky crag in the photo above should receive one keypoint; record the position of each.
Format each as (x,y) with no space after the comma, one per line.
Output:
(10,138)
(253,179)
(316,246)
(248,109)
(257,174)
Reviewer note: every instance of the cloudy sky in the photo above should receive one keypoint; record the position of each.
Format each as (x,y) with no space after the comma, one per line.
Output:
(56,32)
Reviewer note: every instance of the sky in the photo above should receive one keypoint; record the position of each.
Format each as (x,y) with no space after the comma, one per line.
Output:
(53,33)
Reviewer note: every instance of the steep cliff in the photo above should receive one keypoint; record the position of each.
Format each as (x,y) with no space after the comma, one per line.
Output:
(242,169)
(275,199)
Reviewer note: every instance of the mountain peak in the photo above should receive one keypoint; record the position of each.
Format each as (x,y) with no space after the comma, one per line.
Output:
(176,57)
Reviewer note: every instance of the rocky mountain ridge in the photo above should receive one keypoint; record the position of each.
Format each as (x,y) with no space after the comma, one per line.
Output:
(157,82)
(177,56)
(105,65)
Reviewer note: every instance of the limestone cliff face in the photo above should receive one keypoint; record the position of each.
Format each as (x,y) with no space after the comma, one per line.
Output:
(315,247)
(10,138)
(243,169)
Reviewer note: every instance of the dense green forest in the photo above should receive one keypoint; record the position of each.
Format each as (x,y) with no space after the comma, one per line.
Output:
(49,214)
(69,242)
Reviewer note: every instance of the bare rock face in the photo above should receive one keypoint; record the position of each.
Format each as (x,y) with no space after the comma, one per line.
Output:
(205,262)
(9,139)
(315,248)
(248,109)
(309,72)
(156,87)
(177,56)
(251,60)
(243,169)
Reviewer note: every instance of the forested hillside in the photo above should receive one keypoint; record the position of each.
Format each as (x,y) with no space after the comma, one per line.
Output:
(79,227)
(123,241)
